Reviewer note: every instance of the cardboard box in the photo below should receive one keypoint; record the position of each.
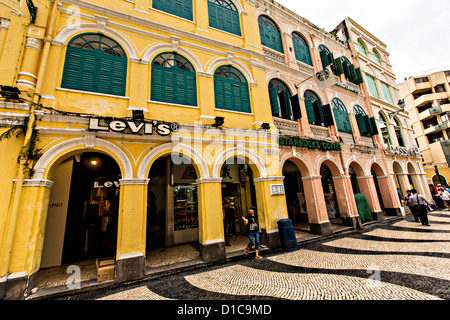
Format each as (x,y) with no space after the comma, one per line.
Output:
(105,270)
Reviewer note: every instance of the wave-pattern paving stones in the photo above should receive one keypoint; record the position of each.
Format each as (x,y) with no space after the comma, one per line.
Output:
(386,246)
(140,293)
(408,235)
(241,280)
(416,265)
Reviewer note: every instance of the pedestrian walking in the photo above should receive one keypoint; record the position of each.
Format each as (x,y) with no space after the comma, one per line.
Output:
(420,204)
(251,222)
(407,202)
(445,195)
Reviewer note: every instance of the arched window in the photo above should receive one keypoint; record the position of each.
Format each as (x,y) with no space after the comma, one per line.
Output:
(398,133)
(301,49)
(96,63)
(313,108)
(327,58)
(280,99)
(180,8)
(349,70)
(385,130)
(376,56)
(270,34)
(173,80)
(231,90)
(362,47)
(341,116)
(224,15)
(363,121)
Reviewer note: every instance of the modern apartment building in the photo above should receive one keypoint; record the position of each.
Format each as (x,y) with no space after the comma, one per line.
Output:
(427,102)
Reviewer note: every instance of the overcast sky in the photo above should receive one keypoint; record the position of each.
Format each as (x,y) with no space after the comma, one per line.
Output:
(416,32)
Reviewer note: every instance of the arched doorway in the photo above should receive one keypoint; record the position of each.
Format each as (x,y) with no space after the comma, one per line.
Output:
(330,196)
(400,184)
(386,191)
(295,194)
(238,193)
(82,218)
(172,204)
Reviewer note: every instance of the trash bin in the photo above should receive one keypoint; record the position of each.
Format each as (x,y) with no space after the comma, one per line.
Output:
(287,235)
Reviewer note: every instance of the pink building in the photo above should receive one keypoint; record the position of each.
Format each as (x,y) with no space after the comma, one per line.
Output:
(331,148)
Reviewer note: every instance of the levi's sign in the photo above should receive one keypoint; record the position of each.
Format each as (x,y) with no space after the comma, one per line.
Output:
(130,126)
(310,144)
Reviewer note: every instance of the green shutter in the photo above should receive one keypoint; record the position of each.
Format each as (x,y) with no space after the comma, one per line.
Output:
(317,106)
(361,124)
(342,121)
(273,94)
(224,18)
(271,38)
(181,8)
(310,111)
(157,84)
(353,77)
(286,104)
(373,86)
(359,76)
(302,53)
(173,86)
(219,92)
(232,95)
(373,126)
(296,111)
(338,66)
(191,89)
(346,70)
(327,116)
(324,58)
(368,125)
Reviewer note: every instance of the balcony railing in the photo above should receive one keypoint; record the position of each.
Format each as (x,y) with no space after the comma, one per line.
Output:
(433,129)
(427,114)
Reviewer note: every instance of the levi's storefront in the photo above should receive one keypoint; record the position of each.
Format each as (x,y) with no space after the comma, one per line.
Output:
(120,188)
(96,202)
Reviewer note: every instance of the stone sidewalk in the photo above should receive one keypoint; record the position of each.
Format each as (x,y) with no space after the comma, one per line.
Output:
(397,259)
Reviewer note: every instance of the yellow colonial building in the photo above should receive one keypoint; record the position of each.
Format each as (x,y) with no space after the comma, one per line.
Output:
(137,124)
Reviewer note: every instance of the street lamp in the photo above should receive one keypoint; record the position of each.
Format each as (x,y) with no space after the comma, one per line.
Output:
(401,103)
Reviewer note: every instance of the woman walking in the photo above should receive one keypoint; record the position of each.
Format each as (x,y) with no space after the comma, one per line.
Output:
(251,221)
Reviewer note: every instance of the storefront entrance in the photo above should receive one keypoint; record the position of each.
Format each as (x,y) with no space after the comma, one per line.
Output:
(83,210)
(172,205)
(238,194)
(295,194)
(330,195)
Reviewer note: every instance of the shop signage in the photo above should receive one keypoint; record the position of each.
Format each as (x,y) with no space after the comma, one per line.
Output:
(413,152)
(135,127)
(310,144)
(277,190)
(347,87)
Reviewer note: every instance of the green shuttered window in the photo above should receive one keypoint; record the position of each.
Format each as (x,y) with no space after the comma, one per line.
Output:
(95,63)
(180,8)
(387,93)
(231,90)
(301,49)
(173,80)
(372,86)
(341,116)
(224,15)
(270,35)
(281,101)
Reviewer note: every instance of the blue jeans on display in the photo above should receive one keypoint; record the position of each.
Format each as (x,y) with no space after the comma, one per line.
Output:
(254,239)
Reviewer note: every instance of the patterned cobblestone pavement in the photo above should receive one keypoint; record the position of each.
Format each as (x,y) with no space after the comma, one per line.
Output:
(396,261)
